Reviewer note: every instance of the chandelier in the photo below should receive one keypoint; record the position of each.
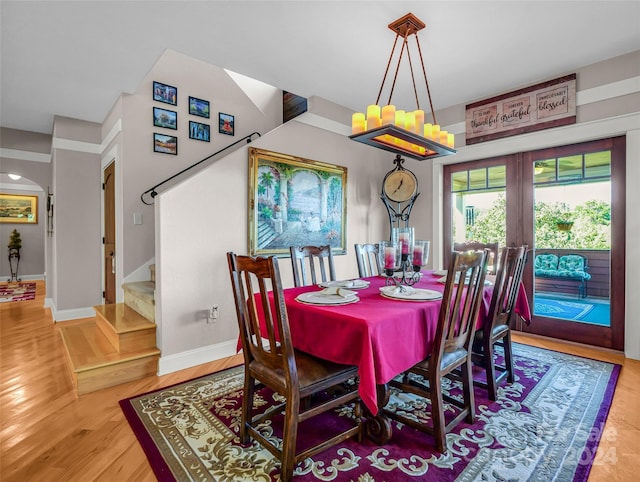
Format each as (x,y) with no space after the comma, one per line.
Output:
(400,131)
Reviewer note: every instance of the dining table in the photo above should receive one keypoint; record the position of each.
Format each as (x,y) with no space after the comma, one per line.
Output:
(383,336)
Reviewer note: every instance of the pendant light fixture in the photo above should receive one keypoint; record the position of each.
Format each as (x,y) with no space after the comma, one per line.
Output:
(399,131)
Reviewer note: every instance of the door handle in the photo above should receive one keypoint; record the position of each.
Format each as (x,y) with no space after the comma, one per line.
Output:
(113,262)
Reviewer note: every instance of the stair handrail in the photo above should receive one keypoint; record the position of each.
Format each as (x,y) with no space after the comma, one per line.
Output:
(152,190)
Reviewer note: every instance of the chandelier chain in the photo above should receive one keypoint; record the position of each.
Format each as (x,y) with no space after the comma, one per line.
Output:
(386,72)
(424,72)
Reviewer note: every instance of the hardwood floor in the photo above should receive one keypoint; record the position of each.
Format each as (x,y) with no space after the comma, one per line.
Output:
(48,433)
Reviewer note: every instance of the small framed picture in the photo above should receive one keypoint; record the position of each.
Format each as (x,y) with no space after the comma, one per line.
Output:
(165,144)
(165,93)
(200,132)
(198,107)
(226,124)
(165,118)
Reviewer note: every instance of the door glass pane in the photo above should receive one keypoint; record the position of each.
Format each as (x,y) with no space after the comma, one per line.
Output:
(459,181)
(573,241)
(479,211)
(597,164)
(497,176)
(478,179)
(544,171)
(570,168)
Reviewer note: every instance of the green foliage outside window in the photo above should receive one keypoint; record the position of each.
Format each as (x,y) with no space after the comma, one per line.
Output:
(591,227)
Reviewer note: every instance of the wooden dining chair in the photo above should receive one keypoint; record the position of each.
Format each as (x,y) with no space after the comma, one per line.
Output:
(450,355)
(308,260)
(367,259)
(273,361)
(497,329)
(476,245)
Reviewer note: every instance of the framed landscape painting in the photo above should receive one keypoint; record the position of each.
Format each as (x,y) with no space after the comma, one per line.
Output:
(226,124)
(198,107)
(165,144)
(199,132)
(18,209)
(165,118)
(165,93)
(295,201)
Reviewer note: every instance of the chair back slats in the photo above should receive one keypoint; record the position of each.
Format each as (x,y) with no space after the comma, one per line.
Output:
(367,259)
(493,248)
(308,260)
(296,377)
(251,276)
(461,301)
(506,286)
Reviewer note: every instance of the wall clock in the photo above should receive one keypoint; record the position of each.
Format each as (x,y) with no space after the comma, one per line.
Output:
(400,185)
(399,192)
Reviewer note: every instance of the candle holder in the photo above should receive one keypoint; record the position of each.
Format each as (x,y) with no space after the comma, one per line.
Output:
(405,271)
(388,257)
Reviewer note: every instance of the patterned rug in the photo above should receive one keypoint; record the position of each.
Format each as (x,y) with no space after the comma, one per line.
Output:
(544,426)
(17,292)
(569,310)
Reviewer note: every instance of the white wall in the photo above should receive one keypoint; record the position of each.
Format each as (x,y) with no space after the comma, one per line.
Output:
(75,275)
(141,168)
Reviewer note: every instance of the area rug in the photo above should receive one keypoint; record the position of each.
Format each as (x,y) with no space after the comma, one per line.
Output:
(569,310)
(544,426)
(17,292)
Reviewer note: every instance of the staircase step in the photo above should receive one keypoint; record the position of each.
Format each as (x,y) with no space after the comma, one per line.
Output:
(95,364)
(126,329)
(139,295)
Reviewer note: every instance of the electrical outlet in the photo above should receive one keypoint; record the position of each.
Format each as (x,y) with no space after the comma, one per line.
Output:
(214,312)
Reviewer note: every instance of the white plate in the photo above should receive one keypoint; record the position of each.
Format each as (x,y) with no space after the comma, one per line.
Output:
(411,294)
(443,280)
(440,272)
(354,284)
(318,298)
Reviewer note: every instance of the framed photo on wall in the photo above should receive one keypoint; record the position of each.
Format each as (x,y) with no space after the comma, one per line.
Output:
(199,132)
(165,93)
(165,118)
(198,107)
(297,202)
(165,144)
(18,209)
(226,124)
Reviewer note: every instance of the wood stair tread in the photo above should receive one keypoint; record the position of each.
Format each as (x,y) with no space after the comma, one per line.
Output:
(122,318)
(88,349)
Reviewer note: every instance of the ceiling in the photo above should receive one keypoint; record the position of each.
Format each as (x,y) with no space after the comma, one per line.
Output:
(74,59)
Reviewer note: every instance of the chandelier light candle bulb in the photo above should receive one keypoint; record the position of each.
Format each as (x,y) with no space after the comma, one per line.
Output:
(435,133)
(358,123)
(388,114)
(373,117)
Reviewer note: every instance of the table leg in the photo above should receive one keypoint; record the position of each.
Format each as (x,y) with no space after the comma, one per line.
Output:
(379,426)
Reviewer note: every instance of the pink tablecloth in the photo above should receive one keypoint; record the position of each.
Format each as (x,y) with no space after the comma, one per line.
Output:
(383,337)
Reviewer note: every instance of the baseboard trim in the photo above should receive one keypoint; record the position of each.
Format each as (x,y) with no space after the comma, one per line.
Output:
(198,356)
(28,277)
(74,314)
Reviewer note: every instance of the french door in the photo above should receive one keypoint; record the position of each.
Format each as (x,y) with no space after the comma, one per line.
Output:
(561,201)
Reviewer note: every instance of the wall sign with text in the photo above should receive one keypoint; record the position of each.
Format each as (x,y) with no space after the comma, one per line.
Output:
(541,106)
